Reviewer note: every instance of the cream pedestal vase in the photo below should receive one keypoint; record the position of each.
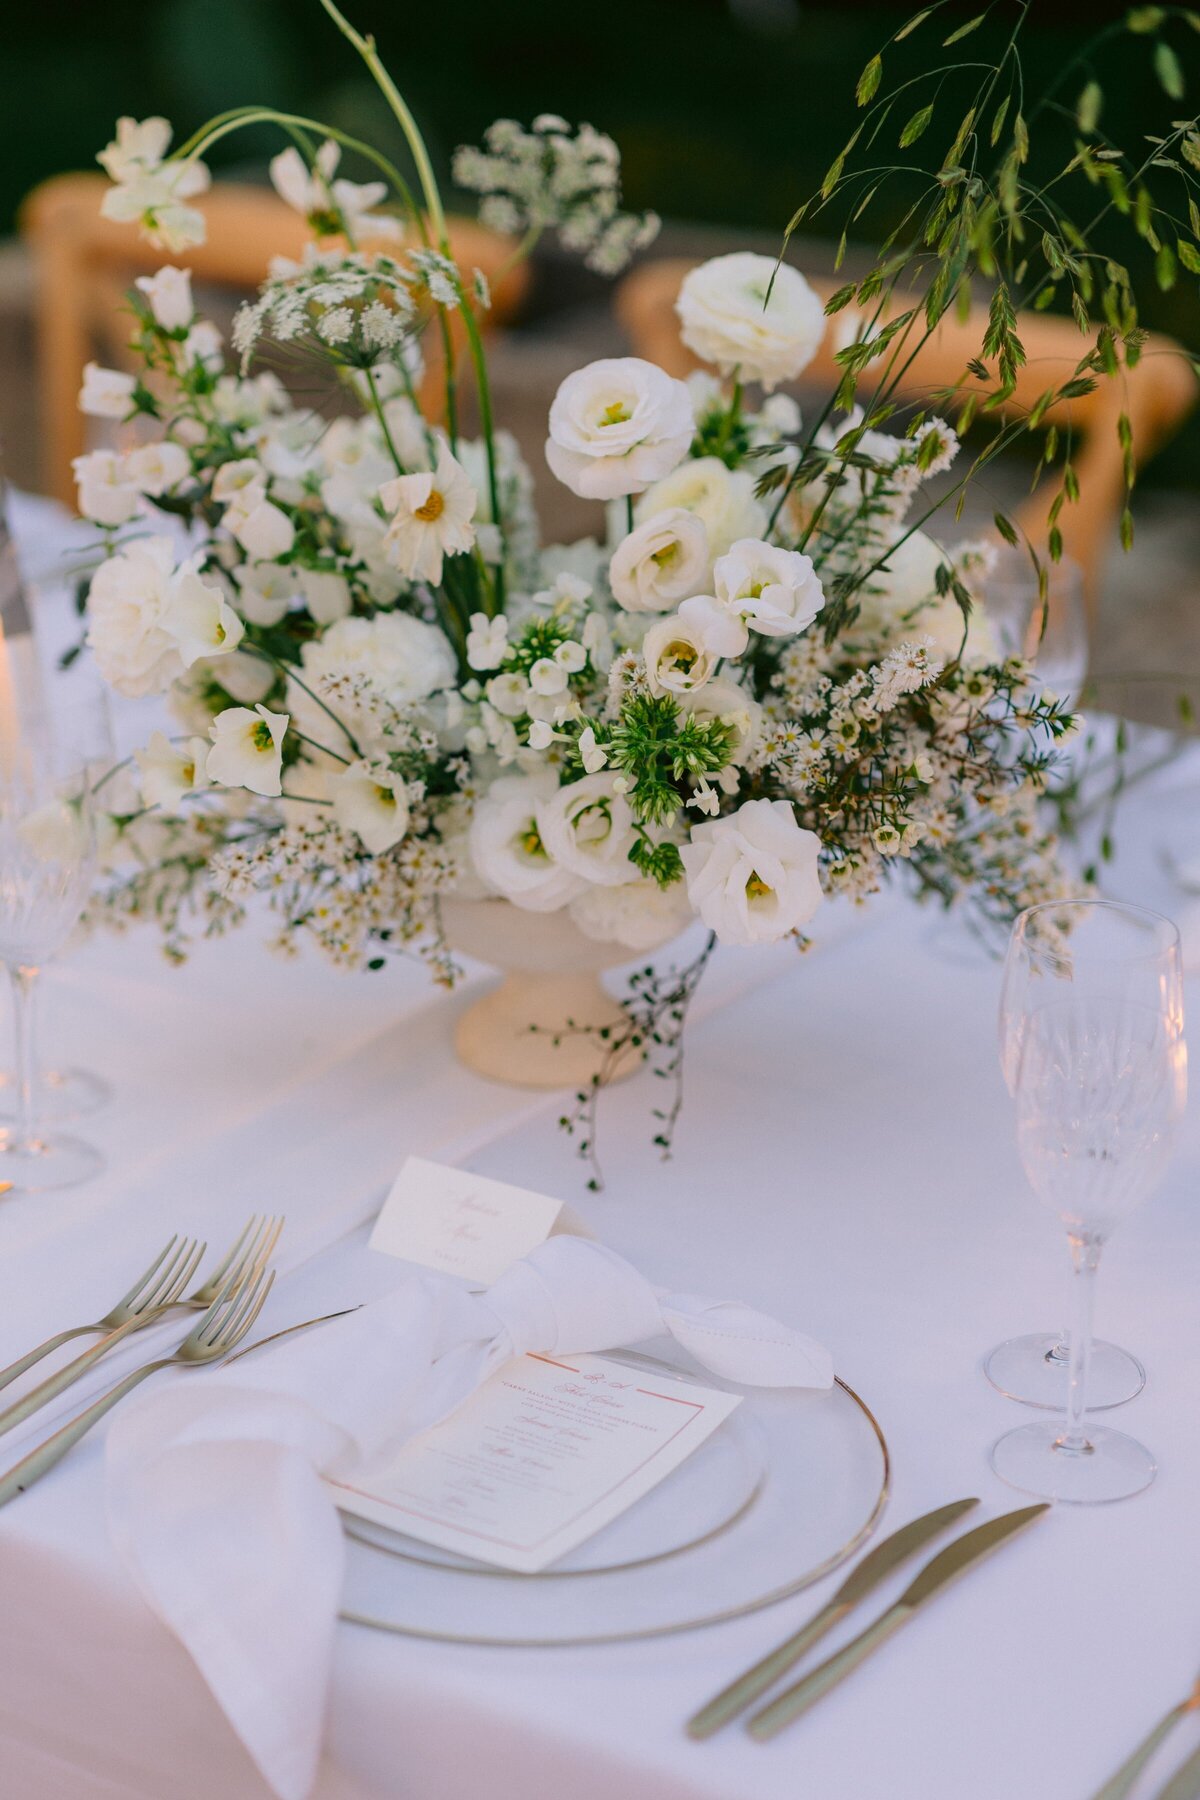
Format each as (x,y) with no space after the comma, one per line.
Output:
(550,981)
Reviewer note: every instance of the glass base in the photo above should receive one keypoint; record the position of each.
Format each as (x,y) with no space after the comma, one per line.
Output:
(1033,1369)
(63,1094)
(45,1163)
(1111,1467)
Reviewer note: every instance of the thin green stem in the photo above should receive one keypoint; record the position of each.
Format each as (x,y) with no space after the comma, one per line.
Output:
(377,408)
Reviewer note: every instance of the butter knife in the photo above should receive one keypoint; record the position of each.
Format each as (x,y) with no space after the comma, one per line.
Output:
(1185,1782)
(1119,1786)
(861,1581)
(942,1569)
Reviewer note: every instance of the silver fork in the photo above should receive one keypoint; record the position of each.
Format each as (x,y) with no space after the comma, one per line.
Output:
(221,1329)
(164,1291)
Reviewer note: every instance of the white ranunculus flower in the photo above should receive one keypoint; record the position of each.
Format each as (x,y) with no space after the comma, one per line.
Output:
(752,877)
(662,561)
(400,658)
(678,658)
(588,828)
(106,393)
(507,848)
(107,491)
(373,803)
(200,619)
(616,426)
(901,602)
(722,499)
(740,711)
(129,605)
(775,591)
(326,594)
(638,914)
(169,771)
(169,297)
(431,518)
(247,749)
(726,318)
(266,591)
(157,468)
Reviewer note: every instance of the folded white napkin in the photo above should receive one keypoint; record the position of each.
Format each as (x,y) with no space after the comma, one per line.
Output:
(215,1497)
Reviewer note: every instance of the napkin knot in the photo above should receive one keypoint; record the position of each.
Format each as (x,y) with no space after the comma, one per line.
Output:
(568,1296)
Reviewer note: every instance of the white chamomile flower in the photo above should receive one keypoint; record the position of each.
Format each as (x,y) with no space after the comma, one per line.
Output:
(372,802)
(169,771)
(247,749)
(431,518)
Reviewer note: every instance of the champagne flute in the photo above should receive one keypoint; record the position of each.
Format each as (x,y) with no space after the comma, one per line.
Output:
(47,863)
(1100,1082)
(1033,1368)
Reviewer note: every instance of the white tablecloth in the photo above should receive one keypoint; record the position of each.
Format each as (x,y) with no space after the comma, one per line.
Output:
(845,1159)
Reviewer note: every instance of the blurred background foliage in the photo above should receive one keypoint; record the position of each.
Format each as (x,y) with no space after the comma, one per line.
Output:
(727,111)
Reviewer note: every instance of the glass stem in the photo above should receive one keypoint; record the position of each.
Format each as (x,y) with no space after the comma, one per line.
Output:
(23,979)
(1085,1254)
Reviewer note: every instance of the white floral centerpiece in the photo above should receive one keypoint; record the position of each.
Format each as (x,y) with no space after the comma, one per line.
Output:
(758,687)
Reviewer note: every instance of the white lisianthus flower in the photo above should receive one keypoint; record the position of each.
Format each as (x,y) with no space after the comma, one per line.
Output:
(372,802)
(487,641)
(200,619)
(722,499)
(431,518)
(721,632)
(638,914)
(752,877)
(247,749)
(106,393)
(616,426)
(662,561)
(266,591)
(901,600)
(169,771)
(326,594)
(727,319)
(316,194)
(774,591)
(678,657)
(507,848)
(107,491)
(588,827)
(157,468)
(148,189)
(169,297)
(129,607)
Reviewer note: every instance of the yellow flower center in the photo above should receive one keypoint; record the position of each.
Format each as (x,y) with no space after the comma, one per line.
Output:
(682,655)
(260,736)
(385,796)
(666,556)
(530,840)
(433,508)
(756,888)
(616,414)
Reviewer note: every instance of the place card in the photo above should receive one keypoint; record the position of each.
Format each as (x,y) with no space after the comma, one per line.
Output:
(544,1454)
(459,1223)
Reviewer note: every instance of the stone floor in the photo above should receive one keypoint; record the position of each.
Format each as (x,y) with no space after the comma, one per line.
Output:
(1149,617)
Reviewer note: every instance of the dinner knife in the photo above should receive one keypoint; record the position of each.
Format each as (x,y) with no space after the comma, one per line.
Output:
(1121,1785)
(1185,1782)
(942,1569)
(861,1581)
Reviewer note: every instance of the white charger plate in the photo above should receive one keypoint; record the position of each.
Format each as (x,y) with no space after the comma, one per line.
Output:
(786,1489)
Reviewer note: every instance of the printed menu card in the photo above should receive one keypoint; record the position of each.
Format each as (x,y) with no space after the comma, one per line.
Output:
(542,1456)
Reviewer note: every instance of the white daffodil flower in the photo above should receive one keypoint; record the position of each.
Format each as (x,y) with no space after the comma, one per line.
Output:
(169,771)
(372,802)
(431,518)
(247,749)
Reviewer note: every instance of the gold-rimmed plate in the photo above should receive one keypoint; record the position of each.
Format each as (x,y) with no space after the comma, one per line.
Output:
(792,1484)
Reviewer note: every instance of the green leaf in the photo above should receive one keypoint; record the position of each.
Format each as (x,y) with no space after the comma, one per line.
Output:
(917,19)
(965,30)
(1188,255)
(1167,68)
(868,81)
(916,125)
(1021,138)
(1127,530)
(998,121)
(1145,18)
(1006,529)
(1087,111)
(1164,267)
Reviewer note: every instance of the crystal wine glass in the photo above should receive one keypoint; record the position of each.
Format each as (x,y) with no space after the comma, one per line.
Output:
(47,862)
(1033,1368)
(1099,1077)
(1050,633)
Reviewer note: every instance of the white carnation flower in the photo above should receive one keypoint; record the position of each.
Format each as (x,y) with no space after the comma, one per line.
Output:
(662,561)
(752,877)
(616,426)
(726,317)
(722,499)
(129,627)
(507,849)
